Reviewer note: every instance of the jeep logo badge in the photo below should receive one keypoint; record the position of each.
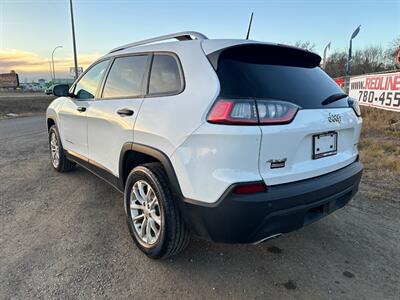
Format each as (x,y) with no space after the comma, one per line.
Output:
(334,118)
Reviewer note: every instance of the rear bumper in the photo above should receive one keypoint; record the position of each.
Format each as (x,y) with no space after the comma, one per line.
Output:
(281,209)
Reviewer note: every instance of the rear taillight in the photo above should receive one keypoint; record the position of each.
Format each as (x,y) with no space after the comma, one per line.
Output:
(353,103)
(252,112)
(276,112)
(233,112)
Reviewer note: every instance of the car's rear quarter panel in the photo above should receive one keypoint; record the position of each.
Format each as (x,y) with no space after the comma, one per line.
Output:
(166,122)
(214,157)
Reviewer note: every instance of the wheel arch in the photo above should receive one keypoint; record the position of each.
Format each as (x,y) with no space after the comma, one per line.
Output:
(133,154)
(50,122)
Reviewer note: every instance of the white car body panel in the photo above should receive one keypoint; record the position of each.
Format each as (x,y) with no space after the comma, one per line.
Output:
(108,131)
(210,46)
(73,126)
(293,142)
(165,122)
(53,108)
(233,154)
(207,158)
(214,157)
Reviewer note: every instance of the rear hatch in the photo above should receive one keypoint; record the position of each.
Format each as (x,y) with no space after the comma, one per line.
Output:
(307,126)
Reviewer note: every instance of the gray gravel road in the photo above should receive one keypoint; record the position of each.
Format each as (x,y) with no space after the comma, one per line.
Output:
(64,236)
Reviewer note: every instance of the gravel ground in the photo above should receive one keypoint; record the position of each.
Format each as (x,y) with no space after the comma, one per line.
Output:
(65,236)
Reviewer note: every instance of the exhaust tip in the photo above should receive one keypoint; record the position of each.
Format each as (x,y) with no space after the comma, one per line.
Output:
(268,238)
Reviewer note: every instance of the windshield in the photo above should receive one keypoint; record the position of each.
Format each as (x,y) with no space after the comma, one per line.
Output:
(272,72)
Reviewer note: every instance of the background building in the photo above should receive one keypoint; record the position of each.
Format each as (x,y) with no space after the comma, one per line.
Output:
(9,80)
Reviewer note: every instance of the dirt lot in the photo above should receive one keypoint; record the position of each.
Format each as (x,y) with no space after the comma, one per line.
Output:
(380,152)
(23,103)
(64,236)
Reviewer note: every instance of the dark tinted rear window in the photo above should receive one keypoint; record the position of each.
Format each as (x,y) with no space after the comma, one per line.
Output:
(126,77)
(165,77)
(273,72)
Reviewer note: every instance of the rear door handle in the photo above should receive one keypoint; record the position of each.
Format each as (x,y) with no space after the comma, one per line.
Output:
(125,112)
(81,109)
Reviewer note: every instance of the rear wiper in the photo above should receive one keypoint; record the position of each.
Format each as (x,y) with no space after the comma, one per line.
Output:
(333,98)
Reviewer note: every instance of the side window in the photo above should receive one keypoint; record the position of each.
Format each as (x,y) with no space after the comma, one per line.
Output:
(125,78)
(87,86)
(165,77)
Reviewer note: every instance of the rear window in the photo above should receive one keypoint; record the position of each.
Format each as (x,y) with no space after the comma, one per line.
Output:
(165,77)
(275,72)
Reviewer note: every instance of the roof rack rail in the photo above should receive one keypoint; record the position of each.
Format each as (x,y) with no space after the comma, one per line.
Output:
(180,36)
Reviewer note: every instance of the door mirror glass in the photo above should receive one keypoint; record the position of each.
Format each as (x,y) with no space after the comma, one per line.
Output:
(61,90)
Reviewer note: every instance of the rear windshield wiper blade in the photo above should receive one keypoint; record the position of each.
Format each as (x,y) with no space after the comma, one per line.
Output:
(333,98)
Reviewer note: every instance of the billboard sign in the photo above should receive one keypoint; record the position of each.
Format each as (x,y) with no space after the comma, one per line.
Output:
(377,90)
(9,80)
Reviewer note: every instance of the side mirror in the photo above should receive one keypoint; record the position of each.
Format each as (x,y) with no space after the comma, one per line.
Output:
(61,90)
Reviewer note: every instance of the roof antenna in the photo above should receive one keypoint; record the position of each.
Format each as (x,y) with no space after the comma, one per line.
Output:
(248,30)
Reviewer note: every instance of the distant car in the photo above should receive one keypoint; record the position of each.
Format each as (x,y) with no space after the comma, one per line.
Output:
(49,90)
(236,141)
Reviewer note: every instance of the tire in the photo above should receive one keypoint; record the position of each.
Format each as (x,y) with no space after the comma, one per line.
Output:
(173,235)
(63,164)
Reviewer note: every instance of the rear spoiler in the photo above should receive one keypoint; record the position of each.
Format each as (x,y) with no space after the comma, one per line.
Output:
(272,54)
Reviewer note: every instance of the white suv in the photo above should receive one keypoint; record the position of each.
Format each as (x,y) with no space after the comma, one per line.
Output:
(236,141)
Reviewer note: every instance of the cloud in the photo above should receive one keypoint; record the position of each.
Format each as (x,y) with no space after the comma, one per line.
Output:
(32,65)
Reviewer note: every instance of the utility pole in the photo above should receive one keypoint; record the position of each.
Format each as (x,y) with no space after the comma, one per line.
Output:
(73,39)
(51,71)
(328,46)
(52,62)
(349,59)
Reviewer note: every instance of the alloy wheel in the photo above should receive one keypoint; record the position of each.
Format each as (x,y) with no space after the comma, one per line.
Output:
(55,150)
(145,212)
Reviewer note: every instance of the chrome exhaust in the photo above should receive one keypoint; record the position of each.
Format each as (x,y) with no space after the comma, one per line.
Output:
(268,238)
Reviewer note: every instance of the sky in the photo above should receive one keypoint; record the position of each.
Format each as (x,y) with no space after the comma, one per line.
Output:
(31,29)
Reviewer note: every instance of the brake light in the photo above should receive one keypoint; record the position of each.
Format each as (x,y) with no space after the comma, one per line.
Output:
(250,188)
(252,112)
(233,112)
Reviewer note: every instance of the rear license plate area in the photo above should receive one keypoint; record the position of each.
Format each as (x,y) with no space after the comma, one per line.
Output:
(324,144)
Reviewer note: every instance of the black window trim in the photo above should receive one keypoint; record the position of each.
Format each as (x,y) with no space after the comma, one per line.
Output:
(181,76)
(73,86)
(144,79)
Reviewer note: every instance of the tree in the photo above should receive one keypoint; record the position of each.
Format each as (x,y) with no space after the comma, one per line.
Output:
(393,51)
(305,45)
(335,64)
(369,60)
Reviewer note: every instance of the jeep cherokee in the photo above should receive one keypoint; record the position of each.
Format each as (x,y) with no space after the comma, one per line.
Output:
(236,141)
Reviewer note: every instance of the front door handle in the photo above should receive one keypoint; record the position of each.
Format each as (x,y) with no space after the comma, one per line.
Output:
(81,109)
(125,112)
